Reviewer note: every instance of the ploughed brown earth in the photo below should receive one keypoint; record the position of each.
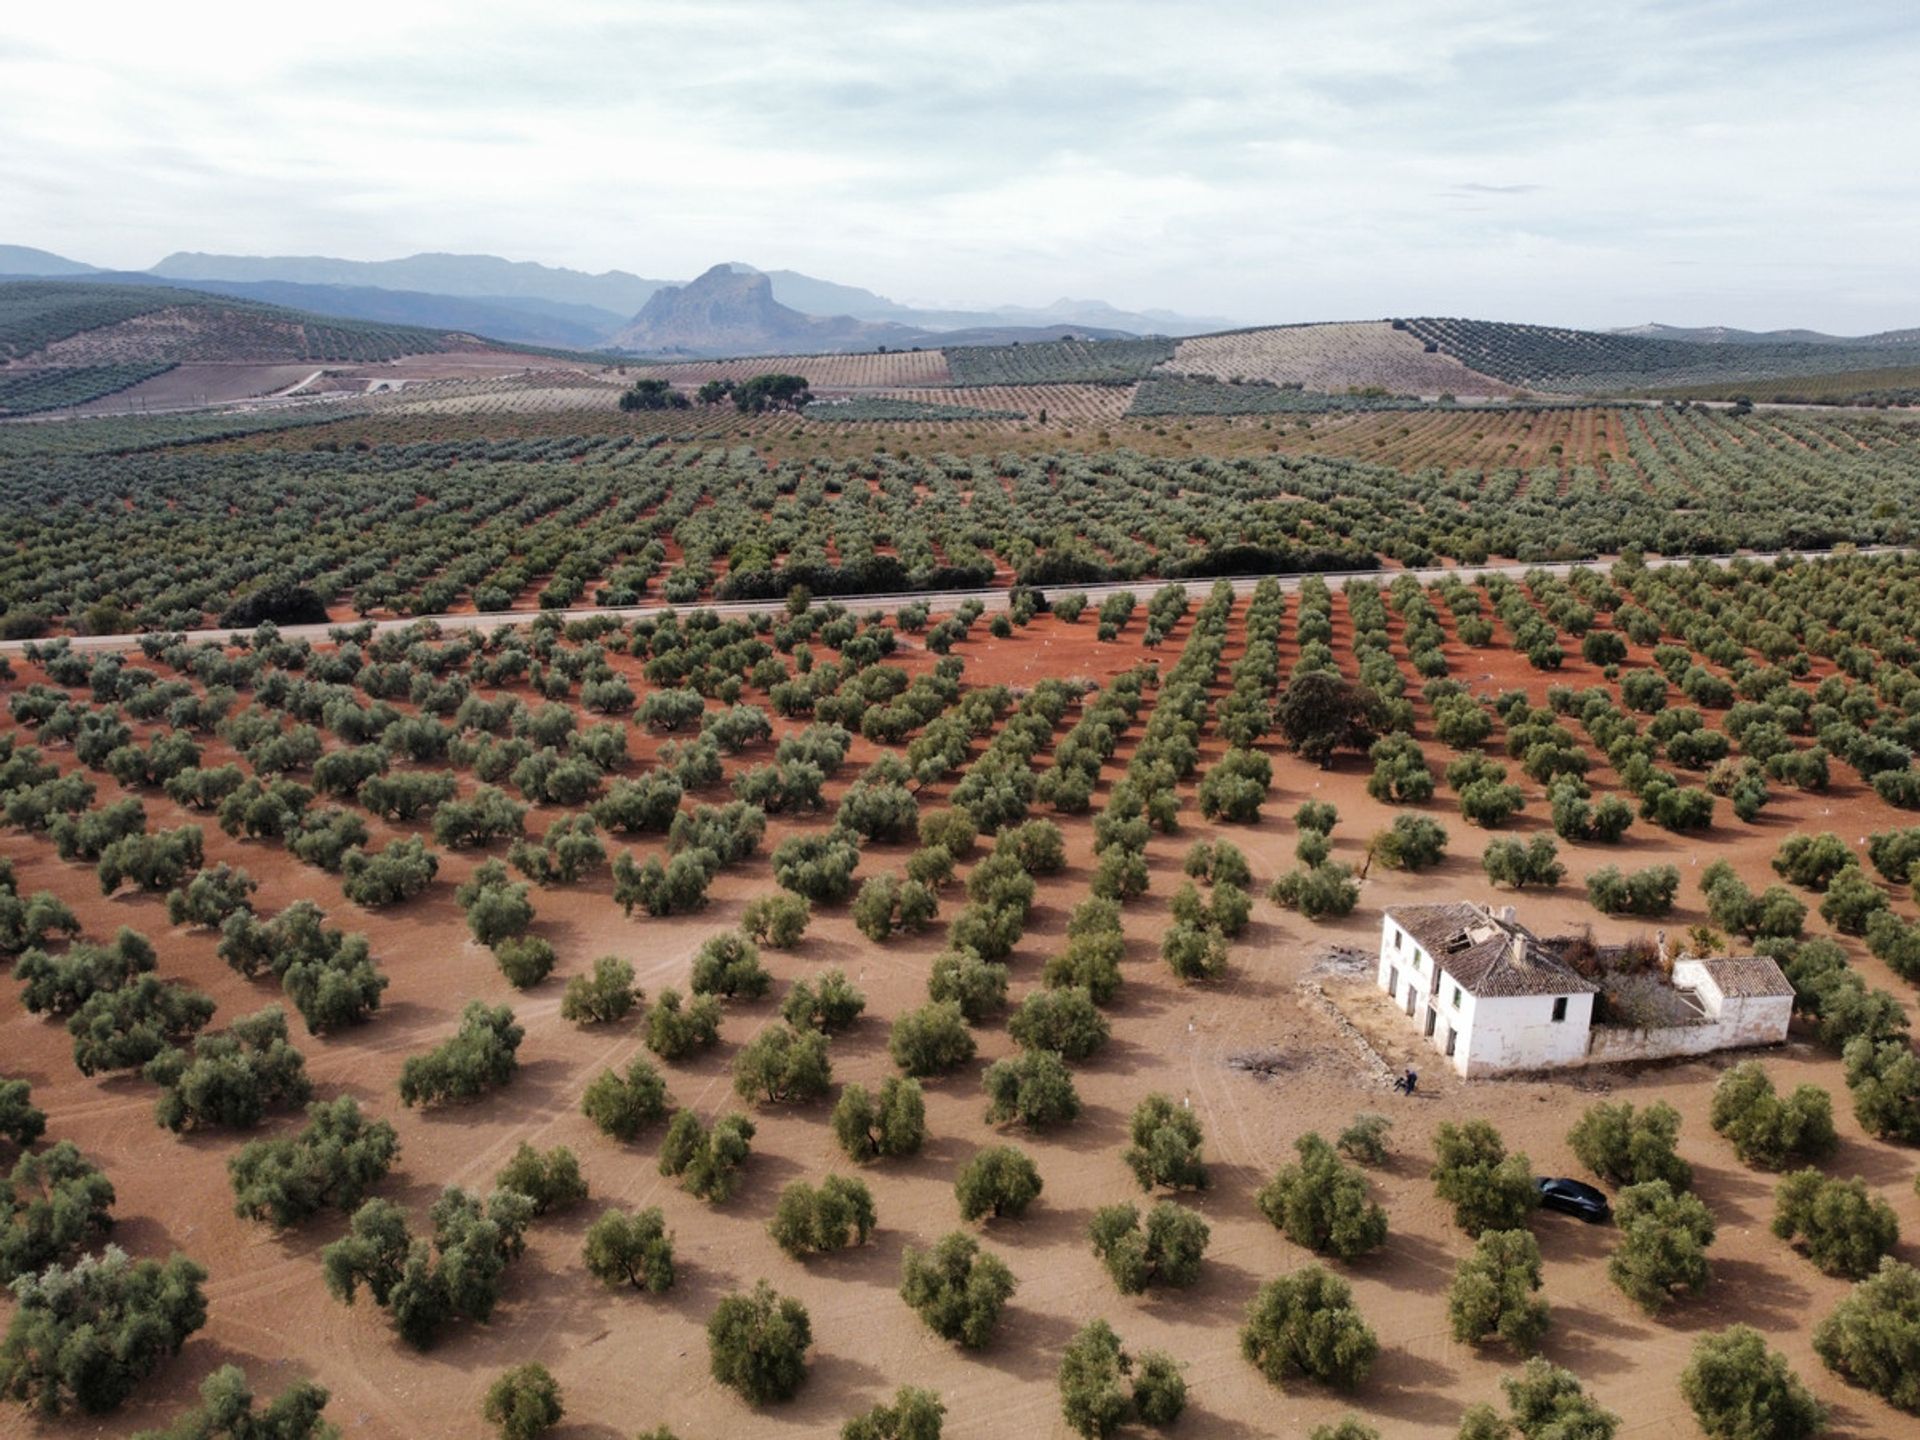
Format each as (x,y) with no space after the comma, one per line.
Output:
(627,1362)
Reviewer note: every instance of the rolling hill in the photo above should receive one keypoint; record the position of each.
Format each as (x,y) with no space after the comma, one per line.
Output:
(68,342)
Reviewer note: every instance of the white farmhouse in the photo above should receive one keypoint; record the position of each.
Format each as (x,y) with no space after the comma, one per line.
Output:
(1492,996)
(1483,989)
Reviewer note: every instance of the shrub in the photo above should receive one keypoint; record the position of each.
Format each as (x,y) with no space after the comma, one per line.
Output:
(208,899)
(602,997)
(523,1402)
(828,1004)
(1166,1251)
(1065,1020)
(1321,1203)
(1493,1293)
(892,1123)
(1870,1337)
(674,1030)
(525,960)
(61,984)
(1327,890)
(1535,862)
(334,1161)
(776,921)
(999,1180)
(1165,1145)
(931,1040)
(1844,1228)
(54,1203)
(1766,1130)
(728,965)
(1741,1390)
(231,1078)
(20,1120)
(678,887)
(1884,1077)
(1412,842)
(1488,1188)
(226,1410)
(1236,786)
(817,867)
(782,1065)
(426,1287)
(1400,774)
(1102,1387)
(624,1105)
(811,1221)
(1032,1088)
(479,1057)
(1491,803)
(84,1336)
(649,802)
(1851,902)
(153,862)
(1195,952)
(1813,860)
(1647,892)
(886,905)
(1547,1403)
(707,1162)
(496,911)
(1365,1139)
(1664,1236)
(550,1181)
(957,1289)
(631,1248)
(757,1344)
(962,978)
(1305,1323)
(399,872)
(1626,1147)
(123,1029)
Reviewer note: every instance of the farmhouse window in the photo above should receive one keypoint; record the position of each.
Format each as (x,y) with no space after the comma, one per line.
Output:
(1397,937)
(1456,997)
(1559,1008)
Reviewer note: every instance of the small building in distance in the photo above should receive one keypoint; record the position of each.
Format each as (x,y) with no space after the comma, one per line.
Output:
(1492,997)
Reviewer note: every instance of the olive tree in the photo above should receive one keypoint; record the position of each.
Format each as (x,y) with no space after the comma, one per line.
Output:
(958,1289)
(890,1123)
(1664,1236)
(1305,1323)
(1844,1228)
(999,1180)
(1740,1390)
(1488,1188)
(1870,1337)
(631,1248)
(83,1336)
(1166,1250)
(1320,1202)
(757,1344)
(1494,1292)
(1165,1145)
(523,1402)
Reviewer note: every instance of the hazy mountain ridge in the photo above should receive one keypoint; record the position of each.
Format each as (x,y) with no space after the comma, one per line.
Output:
(1728,335)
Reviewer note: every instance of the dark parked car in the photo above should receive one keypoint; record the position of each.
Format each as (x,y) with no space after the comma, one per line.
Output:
(1570,1197)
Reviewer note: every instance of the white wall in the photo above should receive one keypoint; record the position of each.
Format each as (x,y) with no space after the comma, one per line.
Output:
(1518,1032)
(1409,965)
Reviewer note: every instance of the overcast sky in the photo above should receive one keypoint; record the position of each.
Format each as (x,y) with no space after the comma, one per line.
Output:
(1691,161)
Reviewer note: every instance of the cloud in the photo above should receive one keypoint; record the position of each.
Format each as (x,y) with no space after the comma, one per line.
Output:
(1265,160)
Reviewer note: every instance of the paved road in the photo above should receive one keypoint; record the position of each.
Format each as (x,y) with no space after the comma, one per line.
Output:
(948,600)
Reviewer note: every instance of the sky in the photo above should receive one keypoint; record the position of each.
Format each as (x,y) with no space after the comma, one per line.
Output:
(1688,161)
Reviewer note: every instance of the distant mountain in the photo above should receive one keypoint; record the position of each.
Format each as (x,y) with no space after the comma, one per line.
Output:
(730,310)
(523,322)
(477,276)
(823,297)
(1726,335)
(25,260)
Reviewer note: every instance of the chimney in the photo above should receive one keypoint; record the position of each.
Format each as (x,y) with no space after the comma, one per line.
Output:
(1508,915)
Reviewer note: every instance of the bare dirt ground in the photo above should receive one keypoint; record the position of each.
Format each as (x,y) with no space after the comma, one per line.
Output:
(628,1362)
